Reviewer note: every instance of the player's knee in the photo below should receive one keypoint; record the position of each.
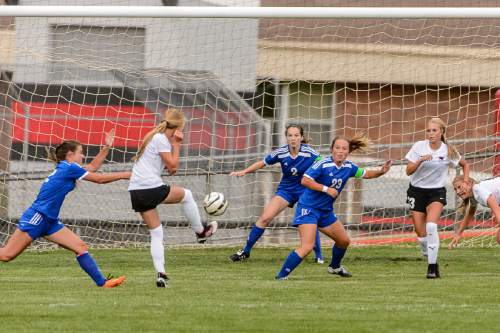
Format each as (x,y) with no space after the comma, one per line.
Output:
(343,243)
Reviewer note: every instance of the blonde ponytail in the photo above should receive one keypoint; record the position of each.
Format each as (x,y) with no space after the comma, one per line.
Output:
(173,119)
(452,151)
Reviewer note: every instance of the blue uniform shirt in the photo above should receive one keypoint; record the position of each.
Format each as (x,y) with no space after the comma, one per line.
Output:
(326,172)
(292,168)
(56,186)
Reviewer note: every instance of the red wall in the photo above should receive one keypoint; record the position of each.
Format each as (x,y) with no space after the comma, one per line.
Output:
(51,123)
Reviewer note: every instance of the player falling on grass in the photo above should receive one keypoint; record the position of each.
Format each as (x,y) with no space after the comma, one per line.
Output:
(41,219)
(487,193)
(295,158)
(324,181)
(428,164)
(160,149)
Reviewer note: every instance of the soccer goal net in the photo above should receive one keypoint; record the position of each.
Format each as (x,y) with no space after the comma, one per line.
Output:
(240,81)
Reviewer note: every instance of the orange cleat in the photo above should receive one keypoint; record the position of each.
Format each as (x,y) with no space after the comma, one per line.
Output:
(112,283)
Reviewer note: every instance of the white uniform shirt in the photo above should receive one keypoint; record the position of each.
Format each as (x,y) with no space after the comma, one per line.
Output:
(433,173)
(147,171)
(484,189)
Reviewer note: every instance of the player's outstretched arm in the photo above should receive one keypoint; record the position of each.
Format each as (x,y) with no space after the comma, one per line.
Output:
(463,225)
(101,156)
(377,173)
(252,168)
(104,178)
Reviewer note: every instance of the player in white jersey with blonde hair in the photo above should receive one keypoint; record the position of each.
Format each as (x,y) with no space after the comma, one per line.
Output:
(486,193)
(160,149)
(428,165)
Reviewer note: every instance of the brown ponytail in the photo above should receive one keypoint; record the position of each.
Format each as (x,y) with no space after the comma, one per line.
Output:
(358,142)
(59,153)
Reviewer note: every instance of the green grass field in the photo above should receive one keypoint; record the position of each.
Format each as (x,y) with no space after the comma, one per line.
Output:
(47,291)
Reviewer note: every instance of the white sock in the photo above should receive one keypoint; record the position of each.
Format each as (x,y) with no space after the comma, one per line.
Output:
(157,249)
(191,211)
(432,242)
(423,245)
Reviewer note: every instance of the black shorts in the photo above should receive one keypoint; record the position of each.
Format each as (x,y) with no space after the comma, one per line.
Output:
(419,198)
(143,200)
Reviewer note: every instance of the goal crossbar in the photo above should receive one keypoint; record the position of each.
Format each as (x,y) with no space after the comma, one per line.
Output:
(250,12)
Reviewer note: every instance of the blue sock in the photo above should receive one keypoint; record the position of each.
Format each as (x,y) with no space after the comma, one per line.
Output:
(88,264)
(337,255)
(291,262)
(253,237)
(317,247)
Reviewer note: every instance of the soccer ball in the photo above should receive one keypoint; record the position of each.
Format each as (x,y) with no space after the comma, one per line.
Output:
(215,204)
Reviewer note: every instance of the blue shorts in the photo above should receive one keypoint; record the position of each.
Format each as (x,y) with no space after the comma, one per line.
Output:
(290,196)
(309,215)
(38,225)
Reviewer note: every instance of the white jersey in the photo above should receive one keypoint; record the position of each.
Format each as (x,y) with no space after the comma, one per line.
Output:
(484,189)
(147,171)
(433,173)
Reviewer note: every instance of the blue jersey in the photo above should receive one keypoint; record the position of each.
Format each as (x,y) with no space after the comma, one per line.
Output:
(292,168)
(326,172)
(56,186)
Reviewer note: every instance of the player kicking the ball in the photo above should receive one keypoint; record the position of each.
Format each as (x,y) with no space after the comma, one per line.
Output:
(159,150)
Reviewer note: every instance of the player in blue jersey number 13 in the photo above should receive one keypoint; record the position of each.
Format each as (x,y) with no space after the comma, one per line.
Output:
(324,181)
(41,219)
(295,158)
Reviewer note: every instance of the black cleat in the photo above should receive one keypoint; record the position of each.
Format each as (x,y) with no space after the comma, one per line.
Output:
(207,232)
(239,256)
(161,280)
(341,271)
(433,271)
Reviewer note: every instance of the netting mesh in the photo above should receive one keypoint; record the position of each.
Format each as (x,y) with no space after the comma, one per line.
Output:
(239,82)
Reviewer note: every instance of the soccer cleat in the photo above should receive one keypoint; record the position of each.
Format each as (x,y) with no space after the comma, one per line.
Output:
(239,256)
(161,280)
(281,278)
(319,261)
(433,271)
(341,271)
(112,283)
(207,232)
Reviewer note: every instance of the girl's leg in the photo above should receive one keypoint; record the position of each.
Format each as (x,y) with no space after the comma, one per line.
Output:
(189,207)
(273,208)
(337,232)
(434,211)
(152,221)
(420,229)
(16,244)
(307,234)
(317,248)
(69,240)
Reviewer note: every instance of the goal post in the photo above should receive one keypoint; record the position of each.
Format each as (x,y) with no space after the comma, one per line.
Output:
(240,74)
